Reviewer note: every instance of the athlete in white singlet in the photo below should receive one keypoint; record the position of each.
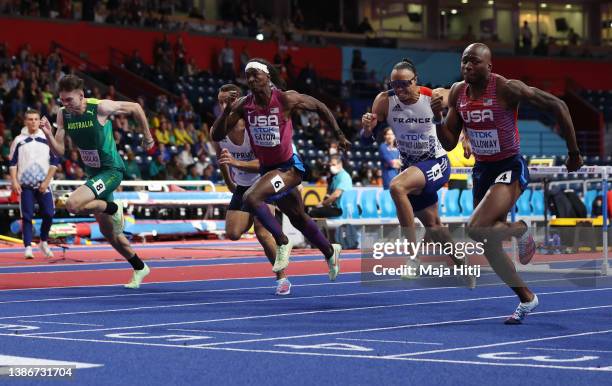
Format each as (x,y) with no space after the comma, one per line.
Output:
(425,166)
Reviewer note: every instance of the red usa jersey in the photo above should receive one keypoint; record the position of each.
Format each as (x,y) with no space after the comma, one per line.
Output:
(492,129)
(270,132)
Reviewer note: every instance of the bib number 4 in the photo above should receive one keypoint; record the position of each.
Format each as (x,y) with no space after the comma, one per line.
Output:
(504,178)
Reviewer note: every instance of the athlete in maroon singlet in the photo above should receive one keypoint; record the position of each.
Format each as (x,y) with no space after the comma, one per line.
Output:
(267,115)
(485,105)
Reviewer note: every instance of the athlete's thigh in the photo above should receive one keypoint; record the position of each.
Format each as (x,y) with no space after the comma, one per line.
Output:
(292,204)
(82,195)
(411,179)
(103,184)
(238,221)
(496,203)
(274,182)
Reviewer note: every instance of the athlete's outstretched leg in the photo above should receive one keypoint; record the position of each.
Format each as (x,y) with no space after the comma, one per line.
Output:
(122,245)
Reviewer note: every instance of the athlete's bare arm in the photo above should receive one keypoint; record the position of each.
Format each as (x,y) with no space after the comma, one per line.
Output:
(227,177)
(514,91)
(378,114)
(232,113)
(444,93)
(450,128)
(108,107)
(296,101)
(226,158)
(56,142)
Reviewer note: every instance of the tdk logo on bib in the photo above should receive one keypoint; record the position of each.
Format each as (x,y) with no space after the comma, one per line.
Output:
(415,137)
(477,116)
(263,120)
(481,134)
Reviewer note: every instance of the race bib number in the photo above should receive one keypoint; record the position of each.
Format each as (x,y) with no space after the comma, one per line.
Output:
(504,178)
(99,186)
(90,158)
(484,142)
(413,144)
(268,136)
(435,173)
(278,183)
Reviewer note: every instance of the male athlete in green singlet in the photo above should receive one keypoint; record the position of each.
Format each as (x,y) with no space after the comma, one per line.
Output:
(87,123)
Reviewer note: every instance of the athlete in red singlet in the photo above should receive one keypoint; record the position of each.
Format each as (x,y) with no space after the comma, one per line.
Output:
(485,105)
(267,115)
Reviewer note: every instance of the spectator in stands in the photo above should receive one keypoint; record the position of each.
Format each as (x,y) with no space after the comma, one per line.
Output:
(192,68)
(164,151)
(111,93)
(193,175)
(12,81)
(185,158)
(358,67)
(163,133)
(208,172)
(204,148)
(572,37)
(244,58)
(157,168)
(308,81)
(181,134)
(526,37)
(226,61)
(4,151)
(541,48)
(389,156)
(340,182)
(17,106)
(460,157)
(135,62)
(71,164)
(365,26)
(131,167)
(174,168)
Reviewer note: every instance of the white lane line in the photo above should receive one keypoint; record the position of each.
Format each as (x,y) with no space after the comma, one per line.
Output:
(170,282)
(214,331)
(314,354)
(155,268)
(568,350)
(252,317)
(276,299)
(201,291)
(268,300)
(10,360)
(375,329)
(506,343)
(391,341)
(69,324)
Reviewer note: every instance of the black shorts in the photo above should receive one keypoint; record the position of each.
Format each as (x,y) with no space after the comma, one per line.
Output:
(236,202)
(506,171)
